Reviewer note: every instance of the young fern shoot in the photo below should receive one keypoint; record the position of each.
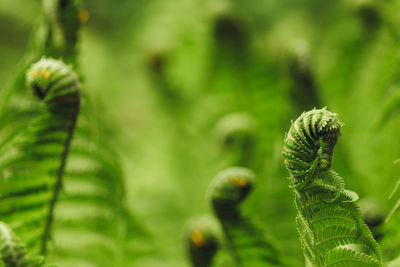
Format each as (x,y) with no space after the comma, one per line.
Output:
(32,165)
(245,240)
(13,252)
(237,137)
(201,242)
(329,222)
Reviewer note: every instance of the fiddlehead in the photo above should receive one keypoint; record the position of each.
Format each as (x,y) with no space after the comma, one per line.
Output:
(201,242)
(245,240)
(232,39)
(303,88)
(33,164)
(56,37)
(369,13)
(59,33)
(373,215)
(13,252)
(309,145)
(377,14)
(236,134)
(329,221)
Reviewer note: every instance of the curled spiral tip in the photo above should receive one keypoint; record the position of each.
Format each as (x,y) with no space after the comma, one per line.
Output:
(309,144)
(236,128)
(201,240)
(231,186)
(51,76)
(201,232)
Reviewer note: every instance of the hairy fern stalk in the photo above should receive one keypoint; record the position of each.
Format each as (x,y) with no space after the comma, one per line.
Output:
(332,232)
(32,165)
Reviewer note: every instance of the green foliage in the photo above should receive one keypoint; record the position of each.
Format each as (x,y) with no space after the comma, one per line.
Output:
(201,241)
(176,90)
(58,34)
(303,89)
(332,232)
(236,134)
(13,251)
(92,222)
(245,240)
(40,153)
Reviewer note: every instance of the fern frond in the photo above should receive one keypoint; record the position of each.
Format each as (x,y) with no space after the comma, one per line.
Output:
(13,252)
(246,242)
(332,232)
(33,163)
(349,257)
(92,223)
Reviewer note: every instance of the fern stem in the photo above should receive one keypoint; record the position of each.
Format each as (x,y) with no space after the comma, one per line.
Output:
(58,185)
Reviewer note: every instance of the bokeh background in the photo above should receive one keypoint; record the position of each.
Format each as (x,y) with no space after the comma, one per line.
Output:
(190,87)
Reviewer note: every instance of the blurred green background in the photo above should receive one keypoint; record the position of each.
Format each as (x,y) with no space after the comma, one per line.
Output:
(174,78)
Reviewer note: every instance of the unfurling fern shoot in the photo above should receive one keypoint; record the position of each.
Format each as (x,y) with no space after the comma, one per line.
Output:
(332,232)
(13,252)
(237,136)
(245,240)
(32,166)
(201,242)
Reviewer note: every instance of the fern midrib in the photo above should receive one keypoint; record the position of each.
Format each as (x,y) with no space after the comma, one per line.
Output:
(58,184)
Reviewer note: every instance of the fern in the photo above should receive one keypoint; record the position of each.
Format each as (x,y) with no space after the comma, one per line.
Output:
(58,34)
(33,163)
(92,206)
(236,134)
(56,37)
(332,232)
(201,242)
(13,252)
(303,88)
(245,240)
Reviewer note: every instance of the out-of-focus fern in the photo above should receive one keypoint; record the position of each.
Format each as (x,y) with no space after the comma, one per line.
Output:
(373,215)
(332,232)
(236,134)
(374,13)
(32,165)
(303,89)
(92,224)
(201,242)
(394,263)
(58,35)
(13,252)
(55,37)
(245,240)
